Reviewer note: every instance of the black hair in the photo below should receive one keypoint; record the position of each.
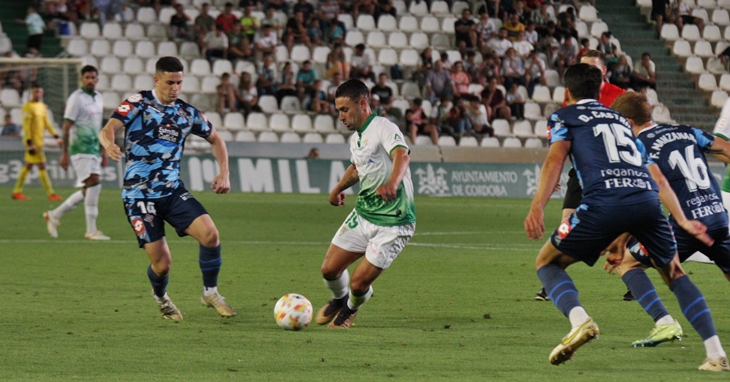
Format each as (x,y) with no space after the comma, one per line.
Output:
(87,69)
(354,90)
(168,64)
(583,81)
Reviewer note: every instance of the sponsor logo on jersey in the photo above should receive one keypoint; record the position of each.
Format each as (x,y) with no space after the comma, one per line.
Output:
(138,225)
(134,98)
(168,132)
(124,108)
(564,229)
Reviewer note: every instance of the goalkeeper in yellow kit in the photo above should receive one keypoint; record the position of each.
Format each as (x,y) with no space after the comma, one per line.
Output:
(35,122)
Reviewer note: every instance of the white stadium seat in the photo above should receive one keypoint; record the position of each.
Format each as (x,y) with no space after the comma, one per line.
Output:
(167,48)
(419,41)
(707,82)
(408,24)
(312,138)
(302,123)
(365,22)
(145,49)
(409,57)
(112,31)
(346,19)
(533,111)
(157,32)
(143,81)
(209,84)
(245,136)
(189,50)
(682,48)
(354,37)
(541,94)
(89,30)
(268,136)
(10,98)
(397,40)
(146,15)
(134,32)
(470,142)
(222,66)
(387,23)
(278,121)
(165,14)
(268,104)
(703,49)
(376,39)
(670,32)
(200,67)
(430,24)
(77,47)
(122,82)
(100,48)
(720,17)
(712,33)
(486,142)
(233,121)
(111,65)
(320,54)
(501,128)
(439,8)
(123,48)
(388,56)
(725,82)
(291,105)
(111,100)
(215,120)
(588,13)
(418,8)
(290,138)
(324,124)
(718,98)
(597,28)
(523,129)
(334,139)
(690,32)
(541,128)
(133,65)
(257,121)
(694,65)
(447,25)
(225,135)
(512,143)
(458,7)
(190,85)
(715,66)
(533,143)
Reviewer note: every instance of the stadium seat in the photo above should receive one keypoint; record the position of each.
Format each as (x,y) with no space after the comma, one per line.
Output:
(447,25)
(167,48)
(410,90)
(682,48)
(470,142)
(215,120)
(523,129)
(552,77)
(247,67)
(387,23)
(324,124)
(300,53)
(447,141)
(418,8)
(501,128)
(123,48)
(559,94)
(6,45)
(457,8)
(268,104)
(402,104)
(77,47)
(670,32)
(312,138)
(222,66)
(690,32)
(725,82)
(512,143)
(703,49)
(133,65)
(320,54)
(430,24)
(334,139)
(408,24)
(134,32)
(533,143)
(707,4)
(660,113)
(550,108)
(245,136)
(711,33)
(376,39)
(694,65)
(346,19)
(111,65)
(233,121)
(269,136)
(291,105)
(90,60)
(588,13)
(100,48)
(400,7)
(112,31)
(541,128)
(89,30)
(533,111)
(439,8)
(454,55)
(724,4)
(365,22)
(541,94)
(301,123)
(189,50)
(145,49)
(707,82)
(122,82)
(409,57)
(423,140)
(278,121)
(209,84)
(397,40)
(111,100)
(103,83)
(715,66)
(718,98)
(227,136)
(257,121)
(156,32)
(582,29)
(597,28)
(440,41)
(146,15)
(10,98)
(354,37)
(165,14)
(387,56)
(701,14)
(200,67)
(720,17)
(491,142)
(419,41)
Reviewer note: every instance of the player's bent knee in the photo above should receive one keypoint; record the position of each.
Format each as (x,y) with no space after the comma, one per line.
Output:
(210,239)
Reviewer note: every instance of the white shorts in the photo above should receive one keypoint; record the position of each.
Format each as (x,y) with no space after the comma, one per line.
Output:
(85,165)
(381,244)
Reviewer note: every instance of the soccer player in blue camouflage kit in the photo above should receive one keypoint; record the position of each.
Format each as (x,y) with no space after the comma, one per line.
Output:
(156,125)
(618,179)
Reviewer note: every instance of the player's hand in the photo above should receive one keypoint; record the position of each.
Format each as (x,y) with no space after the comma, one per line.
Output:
(534,224)
(221,184)
(59,142)
(698,230)
(113,152)
(104,160)
(614,258)
(387,192)
(337,199)
(32,149)
(557,188)
(64,161)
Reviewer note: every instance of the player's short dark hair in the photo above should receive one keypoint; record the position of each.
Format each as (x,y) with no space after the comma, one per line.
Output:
(36,85)
(417,101)
(168,64)
(633,106)
(88,68)
(593,53)
(354,90)
(583,81)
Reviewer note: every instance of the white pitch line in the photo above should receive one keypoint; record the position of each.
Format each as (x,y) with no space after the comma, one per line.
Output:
(465,233)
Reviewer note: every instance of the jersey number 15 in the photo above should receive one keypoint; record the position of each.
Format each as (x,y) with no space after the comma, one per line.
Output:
(615,135)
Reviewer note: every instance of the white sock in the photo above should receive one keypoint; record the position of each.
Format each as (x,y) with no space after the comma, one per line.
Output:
(714,348)
(666,320)
(91,206)
(354,302)
(160,299)
(210,291)
(69,204)
(577,316)
(340,286)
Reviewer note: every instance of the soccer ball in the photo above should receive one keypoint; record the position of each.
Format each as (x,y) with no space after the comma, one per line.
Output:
(293,312)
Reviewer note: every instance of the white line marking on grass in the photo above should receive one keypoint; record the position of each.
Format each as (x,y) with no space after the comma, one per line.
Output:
(466,233)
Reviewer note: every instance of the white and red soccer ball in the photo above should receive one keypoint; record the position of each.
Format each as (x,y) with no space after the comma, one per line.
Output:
(293,312)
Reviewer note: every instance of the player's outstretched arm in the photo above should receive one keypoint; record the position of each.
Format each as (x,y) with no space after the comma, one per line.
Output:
(389,190)
(549,177)
(721,149)
(106,138)
(67,125)
(349,179)
(222,183)
(669,199)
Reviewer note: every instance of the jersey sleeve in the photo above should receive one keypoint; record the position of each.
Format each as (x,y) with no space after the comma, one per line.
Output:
(722,126)
(27,122)
(201,125)
(49,124)
(642,150)
(557,131)
(72,109)
(391,137)
(704,140)
(129,109)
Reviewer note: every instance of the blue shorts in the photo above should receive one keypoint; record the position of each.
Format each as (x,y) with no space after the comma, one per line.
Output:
(687,245)
(148,216)
(587,232)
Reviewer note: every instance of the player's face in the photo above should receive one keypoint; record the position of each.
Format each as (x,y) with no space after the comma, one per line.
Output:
(37,94)
(352,114)
(89,80)
(168,85)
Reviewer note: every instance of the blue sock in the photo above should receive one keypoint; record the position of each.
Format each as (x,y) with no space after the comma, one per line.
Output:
(645,293)
(210,264)
(694,307)
(559,287)
(159,283)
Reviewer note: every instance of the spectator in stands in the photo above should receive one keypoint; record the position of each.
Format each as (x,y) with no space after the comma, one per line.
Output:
(514,27)
(203,23)
(276,5)
(567,55)
(439,83)
(363,6)
(376,107)
(466,31)
(386,96)
(493,99)
(296,32)
(723,56)
(226,19)
(485,30)
(305,80)
(328,11)
(585,45)
(384,7)
(489,68)
(10,129)
(215,43)
(540,17)
(460,78)
(110,8)
(531,34)
(682,14)
(265,41)
(226,94)
(179,24)
(317,100)
(609,49)
(335,32)
(35,24)
(522,47)
(247,96)
(423,66)
(336,62)
(266,81)
(306,8)
(249,24)
(519,9)
(659,13)
(417,124)
(499,45)
(332,90)
(314,32)
(566,23)
(513,69)
(450,118)
(238,46)
(621,73)
(361,64)
(272,21)
(645,73)
(286,84)
(478,115)
(534,72)
(445,61)
(516,102)
(470,65)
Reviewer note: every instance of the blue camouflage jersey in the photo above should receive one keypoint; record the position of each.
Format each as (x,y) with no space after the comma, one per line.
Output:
(153,144)
(679,152)
(610,162)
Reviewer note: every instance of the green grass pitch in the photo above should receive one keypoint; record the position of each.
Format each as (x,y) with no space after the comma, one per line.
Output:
(456,305)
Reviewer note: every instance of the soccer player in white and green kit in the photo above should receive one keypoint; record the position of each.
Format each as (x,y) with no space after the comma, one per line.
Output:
(384,218)
(81,126)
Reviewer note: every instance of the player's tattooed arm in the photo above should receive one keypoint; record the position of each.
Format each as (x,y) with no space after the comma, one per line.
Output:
(349,179)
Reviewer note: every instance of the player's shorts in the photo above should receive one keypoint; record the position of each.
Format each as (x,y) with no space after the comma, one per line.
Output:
(381,244)
(588,231)
(574,193)
(38,157)
(148,216)
(85,165)
(687,245)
